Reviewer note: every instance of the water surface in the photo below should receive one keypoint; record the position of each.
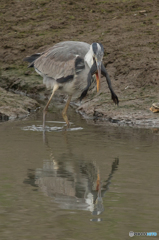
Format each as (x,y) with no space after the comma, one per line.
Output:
(93,182)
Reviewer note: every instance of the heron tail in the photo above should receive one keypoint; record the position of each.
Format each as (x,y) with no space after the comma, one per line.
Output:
(31,59)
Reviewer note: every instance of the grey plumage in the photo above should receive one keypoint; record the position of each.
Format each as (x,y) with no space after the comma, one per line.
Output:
(59,62)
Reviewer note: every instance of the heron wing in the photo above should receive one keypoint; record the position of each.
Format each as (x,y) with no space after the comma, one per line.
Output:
(59,60)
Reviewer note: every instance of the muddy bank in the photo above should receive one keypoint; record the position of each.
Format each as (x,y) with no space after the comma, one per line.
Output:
(15,105)
(129,31)
(141,119)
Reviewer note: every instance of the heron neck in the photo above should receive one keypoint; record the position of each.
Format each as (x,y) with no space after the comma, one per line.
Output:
(88,58)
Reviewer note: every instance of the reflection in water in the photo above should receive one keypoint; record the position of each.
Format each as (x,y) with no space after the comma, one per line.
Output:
(73,185)
(101,189)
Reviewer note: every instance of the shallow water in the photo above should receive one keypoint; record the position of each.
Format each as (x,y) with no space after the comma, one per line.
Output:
(92,182)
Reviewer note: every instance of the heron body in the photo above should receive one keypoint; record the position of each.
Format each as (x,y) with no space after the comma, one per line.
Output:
(71,68)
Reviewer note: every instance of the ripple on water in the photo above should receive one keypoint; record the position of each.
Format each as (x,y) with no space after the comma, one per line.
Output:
(39,128)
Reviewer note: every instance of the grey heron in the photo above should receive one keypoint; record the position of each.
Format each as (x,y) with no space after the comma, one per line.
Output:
(70,67)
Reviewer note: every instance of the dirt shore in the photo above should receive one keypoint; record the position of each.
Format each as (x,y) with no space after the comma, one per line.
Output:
(129,31)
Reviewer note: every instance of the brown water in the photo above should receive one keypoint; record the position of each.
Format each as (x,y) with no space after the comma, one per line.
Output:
(91,182)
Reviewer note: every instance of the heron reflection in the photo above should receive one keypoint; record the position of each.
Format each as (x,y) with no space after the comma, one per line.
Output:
(72,184)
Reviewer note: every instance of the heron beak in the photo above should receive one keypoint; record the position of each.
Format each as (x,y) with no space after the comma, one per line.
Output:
(98,75)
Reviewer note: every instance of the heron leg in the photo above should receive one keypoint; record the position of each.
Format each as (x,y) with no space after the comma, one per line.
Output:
(64,112)
(46,107)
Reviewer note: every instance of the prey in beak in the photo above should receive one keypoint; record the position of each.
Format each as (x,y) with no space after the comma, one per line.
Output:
(98,75)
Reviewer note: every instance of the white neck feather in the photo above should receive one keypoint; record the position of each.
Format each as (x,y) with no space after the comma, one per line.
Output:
(89,57)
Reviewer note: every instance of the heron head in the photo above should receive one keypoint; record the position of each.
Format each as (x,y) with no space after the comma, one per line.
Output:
(98,53)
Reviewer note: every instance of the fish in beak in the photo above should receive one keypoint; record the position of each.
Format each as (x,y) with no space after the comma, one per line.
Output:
(98,74)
